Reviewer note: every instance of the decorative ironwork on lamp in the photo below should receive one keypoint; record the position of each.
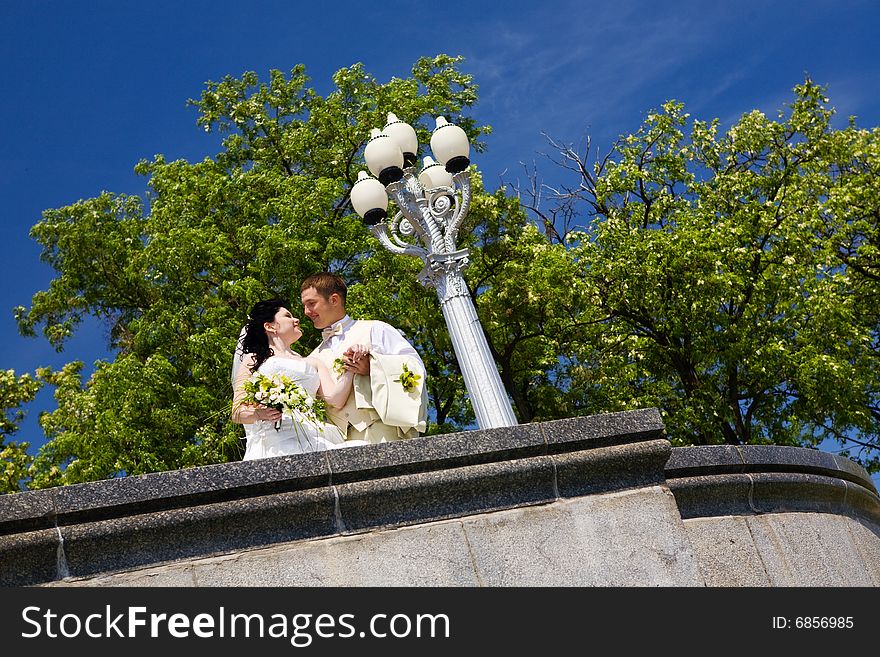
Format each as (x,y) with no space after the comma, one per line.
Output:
(432,205)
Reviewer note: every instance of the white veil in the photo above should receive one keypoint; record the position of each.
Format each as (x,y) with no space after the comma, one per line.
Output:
(239,354)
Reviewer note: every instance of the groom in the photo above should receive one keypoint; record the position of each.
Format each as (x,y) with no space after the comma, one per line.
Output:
(386,402)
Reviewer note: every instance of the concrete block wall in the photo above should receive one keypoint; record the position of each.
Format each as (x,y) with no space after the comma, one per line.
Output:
(777,516)
(595,501)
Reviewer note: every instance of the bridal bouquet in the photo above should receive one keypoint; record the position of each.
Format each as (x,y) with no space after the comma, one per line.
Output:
(285,394)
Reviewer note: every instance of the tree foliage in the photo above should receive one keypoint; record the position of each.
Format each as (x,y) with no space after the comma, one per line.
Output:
(174,275)
(737,276)
(15,391)
(730,279)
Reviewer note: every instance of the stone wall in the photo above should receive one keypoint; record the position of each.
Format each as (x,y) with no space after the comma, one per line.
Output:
(777,516)
(595,501)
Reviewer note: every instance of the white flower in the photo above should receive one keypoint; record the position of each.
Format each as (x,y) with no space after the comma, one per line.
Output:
(285,394)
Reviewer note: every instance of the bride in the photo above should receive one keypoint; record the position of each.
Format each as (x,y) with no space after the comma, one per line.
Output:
(265,347)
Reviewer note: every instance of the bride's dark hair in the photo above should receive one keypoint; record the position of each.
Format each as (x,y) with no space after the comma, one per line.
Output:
(255,340)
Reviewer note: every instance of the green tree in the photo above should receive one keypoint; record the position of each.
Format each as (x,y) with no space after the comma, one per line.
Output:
(173,276)
(735,276)
(521,283)
(15,391)
(729,279)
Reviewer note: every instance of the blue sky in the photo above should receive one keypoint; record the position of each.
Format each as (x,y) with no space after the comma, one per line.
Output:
(90,88)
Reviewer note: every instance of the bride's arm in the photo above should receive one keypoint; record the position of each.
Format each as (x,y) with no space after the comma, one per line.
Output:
(244,413)
(334,394)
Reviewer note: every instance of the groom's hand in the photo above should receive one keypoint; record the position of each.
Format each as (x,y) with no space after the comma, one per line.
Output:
(361,367)
(357,359)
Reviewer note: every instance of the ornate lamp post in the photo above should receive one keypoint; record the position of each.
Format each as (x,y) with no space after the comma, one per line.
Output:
(431,207)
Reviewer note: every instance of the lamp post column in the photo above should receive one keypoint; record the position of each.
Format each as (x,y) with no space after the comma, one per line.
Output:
(487,394)
(431,208)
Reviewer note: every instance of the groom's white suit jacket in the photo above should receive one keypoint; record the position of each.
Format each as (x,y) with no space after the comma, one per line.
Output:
(378,399)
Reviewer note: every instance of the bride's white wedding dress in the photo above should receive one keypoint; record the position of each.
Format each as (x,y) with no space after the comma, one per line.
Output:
(297,434)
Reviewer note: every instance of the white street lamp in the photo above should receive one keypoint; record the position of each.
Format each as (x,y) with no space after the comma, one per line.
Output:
(432,205)
(369,199)
(434,175)
(404,136)
(384,157)
(449,144)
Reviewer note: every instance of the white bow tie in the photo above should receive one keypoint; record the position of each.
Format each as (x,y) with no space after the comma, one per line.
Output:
(342,325)
(330,331)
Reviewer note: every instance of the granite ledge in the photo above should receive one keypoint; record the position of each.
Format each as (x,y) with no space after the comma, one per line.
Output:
(181,489)
(760,493)
(706,460)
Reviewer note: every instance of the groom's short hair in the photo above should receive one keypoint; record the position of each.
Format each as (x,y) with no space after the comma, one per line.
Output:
(326,284)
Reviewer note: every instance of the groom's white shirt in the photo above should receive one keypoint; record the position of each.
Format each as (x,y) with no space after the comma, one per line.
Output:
(378,397)
(385,339)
